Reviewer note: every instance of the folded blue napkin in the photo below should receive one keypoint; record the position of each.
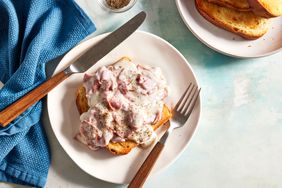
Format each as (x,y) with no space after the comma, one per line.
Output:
(32,32)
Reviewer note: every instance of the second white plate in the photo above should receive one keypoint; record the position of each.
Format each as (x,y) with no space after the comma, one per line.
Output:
(226,42)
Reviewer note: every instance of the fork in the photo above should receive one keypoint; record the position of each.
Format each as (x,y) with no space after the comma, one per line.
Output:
(180,115)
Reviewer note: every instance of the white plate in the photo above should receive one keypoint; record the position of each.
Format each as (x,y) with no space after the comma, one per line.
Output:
(144,48)
(226,42)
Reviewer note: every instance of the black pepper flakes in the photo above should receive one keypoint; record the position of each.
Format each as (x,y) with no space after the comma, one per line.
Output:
(117,4)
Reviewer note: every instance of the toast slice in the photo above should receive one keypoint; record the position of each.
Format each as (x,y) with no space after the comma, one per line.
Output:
(266,8)
(122,148)
(117,148)
(245,24)
(239,5)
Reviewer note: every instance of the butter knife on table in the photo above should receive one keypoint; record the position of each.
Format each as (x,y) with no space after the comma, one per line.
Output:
(83,63)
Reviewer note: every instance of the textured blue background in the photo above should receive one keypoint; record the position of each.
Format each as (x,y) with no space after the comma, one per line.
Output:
(32,33)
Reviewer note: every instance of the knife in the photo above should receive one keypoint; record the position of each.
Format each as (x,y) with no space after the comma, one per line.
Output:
(83,63)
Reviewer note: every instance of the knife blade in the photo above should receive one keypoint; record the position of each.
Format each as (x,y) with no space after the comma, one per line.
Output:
(103,47)
(81,64)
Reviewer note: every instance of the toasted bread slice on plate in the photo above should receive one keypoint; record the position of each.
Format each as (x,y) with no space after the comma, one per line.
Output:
(118,148)
(121,148)
(240,5)
(266,8)
(245,24)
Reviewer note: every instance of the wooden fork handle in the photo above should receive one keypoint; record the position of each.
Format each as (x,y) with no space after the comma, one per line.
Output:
(142,174)
(18,107)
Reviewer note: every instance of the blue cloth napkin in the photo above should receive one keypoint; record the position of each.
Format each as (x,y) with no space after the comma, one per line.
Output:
(32,32)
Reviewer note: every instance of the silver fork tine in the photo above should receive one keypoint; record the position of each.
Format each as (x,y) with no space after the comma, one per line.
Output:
(186,100)
(182,97)
(191,104)
(178,120)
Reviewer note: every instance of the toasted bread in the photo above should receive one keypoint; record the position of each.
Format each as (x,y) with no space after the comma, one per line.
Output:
(245,24)
(117,148)
(121,148)
(240,5)
(266,8)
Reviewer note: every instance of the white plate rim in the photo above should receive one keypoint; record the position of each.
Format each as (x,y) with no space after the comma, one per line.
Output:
(197,120)
(178,5)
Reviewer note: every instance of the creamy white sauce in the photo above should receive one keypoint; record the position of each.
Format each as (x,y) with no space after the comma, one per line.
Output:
(125,99)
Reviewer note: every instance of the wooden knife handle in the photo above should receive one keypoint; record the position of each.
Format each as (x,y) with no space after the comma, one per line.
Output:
(142,174)
(18,107)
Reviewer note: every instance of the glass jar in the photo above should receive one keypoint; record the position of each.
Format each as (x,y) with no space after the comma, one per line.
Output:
(106,6)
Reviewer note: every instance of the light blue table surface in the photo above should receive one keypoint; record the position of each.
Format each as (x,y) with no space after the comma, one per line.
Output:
(238,142)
